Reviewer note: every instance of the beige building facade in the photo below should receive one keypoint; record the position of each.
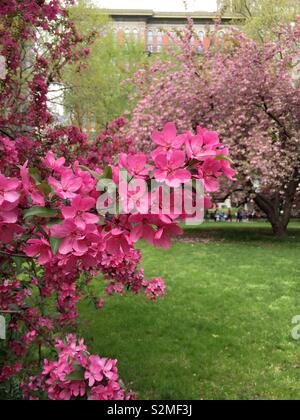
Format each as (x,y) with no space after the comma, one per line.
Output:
(152,28)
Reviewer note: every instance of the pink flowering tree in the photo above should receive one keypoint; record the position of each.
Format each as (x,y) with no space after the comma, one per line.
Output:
(250,93)
(55,237)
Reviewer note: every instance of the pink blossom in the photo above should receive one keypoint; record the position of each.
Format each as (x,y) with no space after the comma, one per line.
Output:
(68,186)
(167,139)
(155,288)
(142,228)
(29,188)
(170,169)
(96,378)
(9,195)
(135,164)
(95,371)
(75,240)
(100,303)
(78,211)
(196,147)
(39,248)
(9,231)
(162,237)
(51,162)
(117,242)
(210,138)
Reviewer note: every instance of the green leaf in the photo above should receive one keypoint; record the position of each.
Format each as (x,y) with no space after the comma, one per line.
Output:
(108,174)
(40,212)
(54,222)
(55,244)
(224,157)
(77,375)
(19,263)
(93,173)
(35,175)
(44,188)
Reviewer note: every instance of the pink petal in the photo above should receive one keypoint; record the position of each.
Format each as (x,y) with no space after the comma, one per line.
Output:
(170,132)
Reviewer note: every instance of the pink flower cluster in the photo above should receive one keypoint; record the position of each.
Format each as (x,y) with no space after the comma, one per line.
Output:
(9,201)
(12,294)
(155,288)
(176,153)
(51,217)
(77,375)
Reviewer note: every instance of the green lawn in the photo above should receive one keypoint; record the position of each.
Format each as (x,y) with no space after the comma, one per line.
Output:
(224,329)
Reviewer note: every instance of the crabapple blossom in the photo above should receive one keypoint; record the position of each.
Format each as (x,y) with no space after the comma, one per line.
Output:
(170,168)
(39,248)
(68,186)
(77,375)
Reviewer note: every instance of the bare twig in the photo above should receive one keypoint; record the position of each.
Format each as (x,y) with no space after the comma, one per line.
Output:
(8,254)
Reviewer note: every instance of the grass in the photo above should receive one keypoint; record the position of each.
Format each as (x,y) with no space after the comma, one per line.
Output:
(224,329)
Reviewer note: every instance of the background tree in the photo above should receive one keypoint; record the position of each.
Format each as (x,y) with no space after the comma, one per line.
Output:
(250,93)
(98,93)
(262,16)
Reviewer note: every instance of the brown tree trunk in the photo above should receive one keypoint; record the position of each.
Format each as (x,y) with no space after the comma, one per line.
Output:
(279,208)
(272,209)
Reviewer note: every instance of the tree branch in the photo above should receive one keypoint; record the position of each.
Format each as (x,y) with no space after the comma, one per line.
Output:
(8,254)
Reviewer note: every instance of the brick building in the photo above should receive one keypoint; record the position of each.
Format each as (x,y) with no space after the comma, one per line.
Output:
(151,28)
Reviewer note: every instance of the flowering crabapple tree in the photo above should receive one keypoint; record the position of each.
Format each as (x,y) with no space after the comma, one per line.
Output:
(53,240)
(250,93)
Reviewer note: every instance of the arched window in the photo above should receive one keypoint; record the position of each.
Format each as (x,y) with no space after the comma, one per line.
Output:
(150,41)
(192,41)
(201,39)
(127,34)
(221,36)
(159,41)
(114,35)
(171,38)
(135,36)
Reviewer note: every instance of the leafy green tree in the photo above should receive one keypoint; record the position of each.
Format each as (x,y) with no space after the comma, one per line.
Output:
(98,92)
(262,16)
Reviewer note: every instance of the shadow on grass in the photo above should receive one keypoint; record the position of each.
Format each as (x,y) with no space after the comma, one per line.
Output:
(225,232)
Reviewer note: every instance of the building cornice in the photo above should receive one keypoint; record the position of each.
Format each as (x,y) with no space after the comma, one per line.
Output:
(169,15)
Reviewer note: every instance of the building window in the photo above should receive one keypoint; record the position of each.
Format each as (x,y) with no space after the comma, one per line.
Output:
(201,36)
(171,38)
(127,34)
(135,37)
(114,35)
(150,41)
(201,39)
(192,41)
(221,36)
(159,41)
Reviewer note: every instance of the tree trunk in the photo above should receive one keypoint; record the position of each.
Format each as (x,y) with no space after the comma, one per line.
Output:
(279,229)
(272,209)
(279,208)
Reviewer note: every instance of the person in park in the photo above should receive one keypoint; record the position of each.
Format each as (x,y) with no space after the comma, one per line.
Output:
(229,215)
(240,215)
(53,241)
